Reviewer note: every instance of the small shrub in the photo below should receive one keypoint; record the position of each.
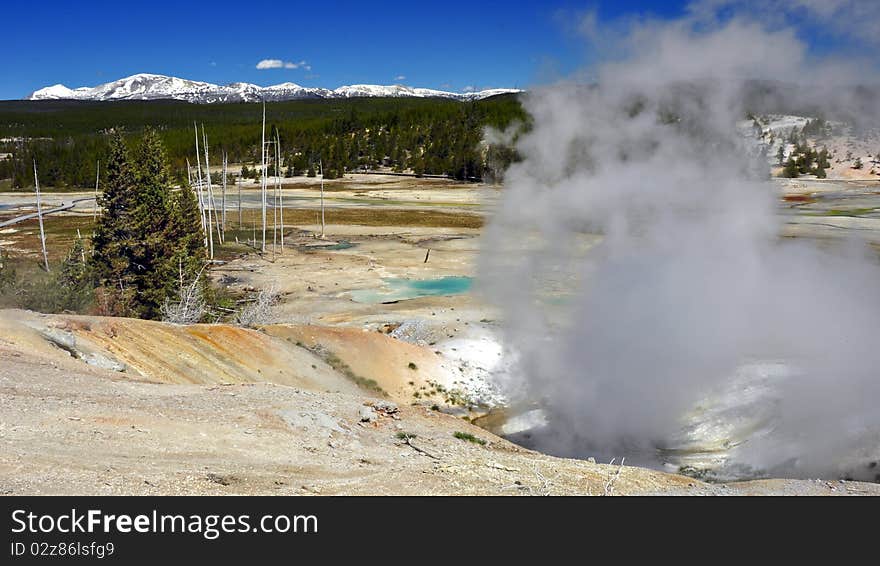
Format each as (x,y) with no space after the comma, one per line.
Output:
(66,289)
(468,437)
(337,364)
(259,311)
(189,308)
(7,272)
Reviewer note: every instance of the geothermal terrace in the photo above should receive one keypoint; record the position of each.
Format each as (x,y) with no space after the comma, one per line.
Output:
(372,379)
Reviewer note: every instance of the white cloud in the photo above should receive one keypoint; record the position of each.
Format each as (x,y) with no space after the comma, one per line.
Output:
(400,78)
(280,64)
(469,89)
(270,64)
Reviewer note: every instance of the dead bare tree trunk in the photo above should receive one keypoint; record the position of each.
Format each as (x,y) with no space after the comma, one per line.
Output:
(223,202)
(321,165)
(206,214)
(97,178)
(40,217)
(213,203)
(82,249)
(274,206)
(240,225)
(263,178)
(194,188)
(280,188)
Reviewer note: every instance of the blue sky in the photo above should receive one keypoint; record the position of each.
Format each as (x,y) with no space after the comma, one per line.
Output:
(450,45)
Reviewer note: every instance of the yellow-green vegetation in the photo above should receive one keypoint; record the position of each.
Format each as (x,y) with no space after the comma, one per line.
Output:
(846,212)
(362,216)
(454,396)
(67,287)
(377,216)
(60,230)
(340,366)
(468,437)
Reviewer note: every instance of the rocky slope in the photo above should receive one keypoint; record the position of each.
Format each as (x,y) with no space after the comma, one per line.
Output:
(116,406)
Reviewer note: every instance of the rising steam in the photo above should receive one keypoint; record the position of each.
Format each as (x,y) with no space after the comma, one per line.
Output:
(688,325)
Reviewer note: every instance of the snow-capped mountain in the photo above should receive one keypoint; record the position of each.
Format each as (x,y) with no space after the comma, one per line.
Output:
(153,87)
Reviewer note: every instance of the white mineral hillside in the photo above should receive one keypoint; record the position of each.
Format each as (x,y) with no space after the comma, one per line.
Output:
(848,147)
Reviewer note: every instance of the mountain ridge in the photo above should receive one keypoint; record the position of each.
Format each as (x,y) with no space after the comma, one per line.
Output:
(147,86)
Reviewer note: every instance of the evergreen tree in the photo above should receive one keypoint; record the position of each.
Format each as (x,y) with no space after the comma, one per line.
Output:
(805,163)
(154,251)
(358,132)
(113,242)
(185,230)
(147,239)
(790,170)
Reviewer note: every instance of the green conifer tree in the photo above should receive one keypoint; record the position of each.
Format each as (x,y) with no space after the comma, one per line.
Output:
(185,229)
(790,170)
(147,238)
(113,241)
(154,268)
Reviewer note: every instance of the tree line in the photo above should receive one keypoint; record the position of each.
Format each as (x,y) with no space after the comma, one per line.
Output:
(147,246)
(423,136)
(804,159)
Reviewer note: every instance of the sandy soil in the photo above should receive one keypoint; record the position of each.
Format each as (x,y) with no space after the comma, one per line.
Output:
(67,427)
(118,406)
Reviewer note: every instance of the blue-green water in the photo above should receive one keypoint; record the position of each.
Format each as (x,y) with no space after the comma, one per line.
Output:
(342,245)
(396,289)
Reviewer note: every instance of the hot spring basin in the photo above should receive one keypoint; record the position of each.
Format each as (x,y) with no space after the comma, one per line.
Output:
(399,289)
(340,245)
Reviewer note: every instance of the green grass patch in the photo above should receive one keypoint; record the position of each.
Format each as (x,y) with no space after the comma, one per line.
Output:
(845,212)
(468,437)
(337,364)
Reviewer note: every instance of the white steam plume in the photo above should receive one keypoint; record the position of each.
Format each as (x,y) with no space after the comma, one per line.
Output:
(688,290)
